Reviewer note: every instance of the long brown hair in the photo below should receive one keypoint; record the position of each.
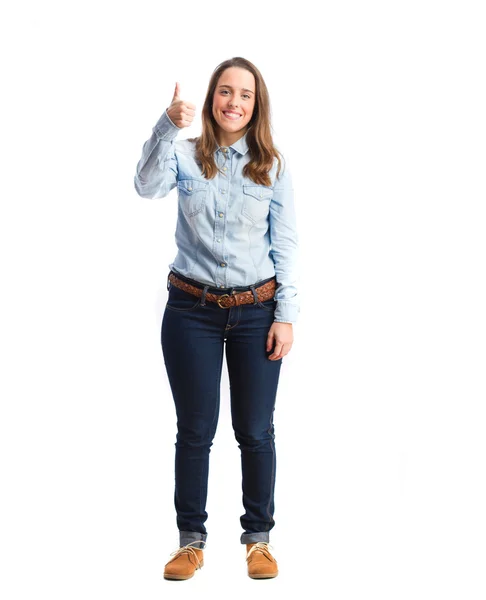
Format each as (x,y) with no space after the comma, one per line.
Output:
(259,137)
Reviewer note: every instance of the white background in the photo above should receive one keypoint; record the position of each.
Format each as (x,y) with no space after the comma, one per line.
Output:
(380,109)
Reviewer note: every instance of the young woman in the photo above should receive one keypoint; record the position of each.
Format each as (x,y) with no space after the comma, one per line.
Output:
(232,283)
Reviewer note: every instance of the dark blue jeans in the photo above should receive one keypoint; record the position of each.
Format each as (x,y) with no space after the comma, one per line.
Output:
(194,334)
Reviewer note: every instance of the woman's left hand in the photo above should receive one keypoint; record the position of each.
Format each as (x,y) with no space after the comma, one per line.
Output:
(282,335)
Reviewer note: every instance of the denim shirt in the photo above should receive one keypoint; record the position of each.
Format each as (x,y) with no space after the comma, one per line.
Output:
(230,232)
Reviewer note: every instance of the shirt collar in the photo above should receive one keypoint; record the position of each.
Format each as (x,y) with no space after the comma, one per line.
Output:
(240,146)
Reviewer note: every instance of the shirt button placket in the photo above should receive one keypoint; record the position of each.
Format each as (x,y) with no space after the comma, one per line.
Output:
(219,226)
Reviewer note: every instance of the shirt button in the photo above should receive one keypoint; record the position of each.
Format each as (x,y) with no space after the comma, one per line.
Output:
(223,264)
(190,189)
(221,286)
(224,168)
(223,191)
(220,214)
(224,149)
(218,240)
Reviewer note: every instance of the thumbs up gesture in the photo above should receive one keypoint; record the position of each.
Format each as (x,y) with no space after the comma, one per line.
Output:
(181,112)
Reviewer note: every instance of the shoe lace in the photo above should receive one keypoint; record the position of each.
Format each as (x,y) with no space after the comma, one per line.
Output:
(189,549)
(263,547)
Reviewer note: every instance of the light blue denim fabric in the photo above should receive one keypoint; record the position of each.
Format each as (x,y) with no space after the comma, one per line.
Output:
(230,231)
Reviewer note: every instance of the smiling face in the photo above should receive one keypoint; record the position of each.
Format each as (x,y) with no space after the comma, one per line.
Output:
(233,103)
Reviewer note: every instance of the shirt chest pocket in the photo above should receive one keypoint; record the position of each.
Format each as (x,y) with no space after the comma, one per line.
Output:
(193,195)
(256,201)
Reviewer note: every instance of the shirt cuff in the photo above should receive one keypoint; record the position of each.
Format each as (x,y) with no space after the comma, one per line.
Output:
(286,312)
(165,129)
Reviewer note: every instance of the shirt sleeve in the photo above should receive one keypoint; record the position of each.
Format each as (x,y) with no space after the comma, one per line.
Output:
(284,248)
(156,173)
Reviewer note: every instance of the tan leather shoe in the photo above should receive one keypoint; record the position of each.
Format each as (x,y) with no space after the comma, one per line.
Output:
(261,564)
(185,562)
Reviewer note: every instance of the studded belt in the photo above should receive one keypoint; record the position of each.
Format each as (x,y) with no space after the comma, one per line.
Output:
(266,291)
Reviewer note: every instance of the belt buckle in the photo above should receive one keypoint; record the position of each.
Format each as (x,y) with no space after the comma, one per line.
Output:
(220,298)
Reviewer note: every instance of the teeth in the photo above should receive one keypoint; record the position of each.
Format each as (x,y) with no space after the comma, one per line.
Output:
(231,115)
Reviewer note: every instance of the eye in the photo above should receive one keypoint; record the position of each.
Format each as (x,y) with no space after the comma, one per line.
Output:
(223,91)
(247,96)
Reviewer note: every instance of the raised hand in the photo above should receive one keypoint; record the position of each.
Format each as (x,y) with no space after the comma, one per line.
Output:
(181,112)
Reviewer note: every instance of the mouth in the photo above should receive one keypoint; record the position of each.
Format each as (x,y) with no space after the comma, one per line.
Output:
(232,116)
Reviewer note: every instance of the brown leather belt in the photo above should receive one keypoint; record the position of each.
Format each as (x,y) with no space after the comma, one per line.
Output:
(264,292)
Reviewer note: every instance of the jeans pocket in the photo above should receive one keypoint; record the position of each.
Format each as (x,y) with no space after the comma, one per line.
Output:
(181,300)
(269,305)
